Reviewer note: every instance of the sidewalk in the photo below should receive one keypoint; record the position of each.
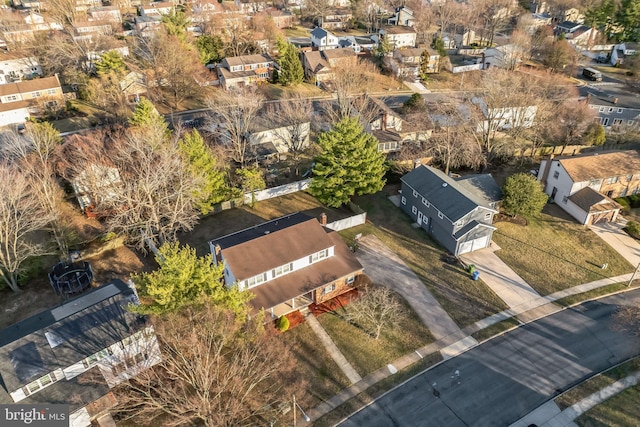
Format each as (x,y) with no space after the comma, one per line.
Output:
(332,349)
(451,350)
(550,415)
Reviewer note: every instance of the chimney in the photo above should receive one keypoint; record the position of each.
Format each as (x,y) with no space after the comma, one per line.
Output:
(217,256)
(323,219)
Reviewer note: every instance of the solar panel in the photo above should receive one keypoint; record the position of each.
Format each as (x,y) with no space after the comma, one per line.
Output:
(27,362)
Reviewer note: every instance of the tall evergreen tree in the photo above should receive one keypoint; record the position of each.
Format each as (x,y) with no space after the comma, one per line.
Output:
(291,71)
(349,164)
(202,162)
(184,279)
(110,61)
(523,195)
(146,115)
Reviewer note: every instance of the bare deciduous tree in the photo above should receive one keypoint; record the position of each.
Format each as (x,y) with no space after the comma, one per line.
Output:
(294,116)
(452,144)
(34,155)
(233,115)
(21,216)
(376,309)
(216,370)
(154,194)
(173,66)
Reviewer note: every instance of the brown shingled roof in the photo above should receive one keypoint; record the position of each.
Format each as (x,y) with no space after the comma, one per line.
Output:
(602,165)
(251,257)
(297,283)
(590,200)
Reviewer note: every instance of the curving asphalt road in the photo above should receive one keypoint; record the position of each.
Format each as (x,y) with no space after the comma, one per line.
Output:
(500,381)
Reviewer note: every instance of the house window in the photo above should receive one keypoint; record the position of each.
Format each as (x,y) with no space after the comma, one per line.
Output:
(404,201)
(51,91)
(415,193)
(612,180)
(623,193)
(605,121)
(329,289)
(630,122)
(424,202)
(318,256)
(440,215)
(41,382)
(594,182)
(414,210)
(619,110)
(118,368)
(556,174)
(10,98)
(351,279)
(263,75)
(37,94)
(617,122)
(564,200)
(283,269)
(487,216)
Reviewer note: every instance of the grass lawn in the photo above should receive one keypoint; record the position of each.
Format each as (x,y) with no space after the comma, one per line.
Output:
(553,254)
(622,410)
(597,383)
(367,354)
(276,91)
(595,293)
(236,219)
(351,405)
(465,300)
(315,370)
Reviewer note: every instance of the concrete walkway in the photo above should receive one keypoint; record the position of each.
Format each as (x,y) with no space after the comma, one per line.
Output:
(333,350)
(506,283)
(612,233)
(384,267)
(550,415)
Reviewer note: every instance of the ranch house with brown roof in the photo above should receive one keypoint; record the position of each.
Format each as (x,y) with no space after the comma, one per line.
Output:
(288,263)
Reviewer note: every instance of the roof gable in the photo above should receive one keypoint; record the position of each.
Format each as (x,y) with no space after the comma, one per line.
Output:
(601,165)
(443,192)
(258,249)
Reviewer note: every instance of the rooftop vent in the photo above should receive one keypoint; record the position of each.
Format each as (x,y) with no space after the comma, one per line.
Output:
(267,232)
(444,184)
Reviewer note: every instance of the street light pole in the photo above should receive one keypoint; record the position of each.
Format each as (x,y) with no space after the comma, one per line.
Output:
(633,276)
(305,416)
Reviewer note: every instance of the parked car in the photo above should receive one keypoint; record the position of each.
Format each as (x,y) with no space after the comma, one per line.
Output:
(602,58)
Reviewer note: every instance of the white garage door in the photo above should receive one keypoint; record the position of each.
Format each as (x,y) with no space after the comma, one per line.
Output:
(472,245)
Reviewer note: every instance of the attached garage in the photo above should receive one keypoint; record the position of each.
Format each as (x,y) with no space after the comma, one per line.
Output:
(473,245)
(591,207)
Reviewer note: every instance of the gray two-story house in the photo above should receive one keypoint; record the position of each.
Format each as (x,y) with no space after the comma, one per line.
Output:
(455,215)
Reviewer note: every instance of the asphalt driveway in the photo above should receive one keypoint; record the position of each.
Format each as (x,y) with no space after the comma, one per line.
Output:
(384,267)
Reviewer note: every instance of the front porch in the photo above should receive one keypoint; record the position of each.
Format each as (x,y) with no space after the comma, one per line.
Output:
(301,303)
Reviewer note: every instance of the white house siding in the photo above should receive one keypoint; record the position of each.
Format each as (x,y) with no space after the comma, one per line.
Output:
(11,117)
(575,211)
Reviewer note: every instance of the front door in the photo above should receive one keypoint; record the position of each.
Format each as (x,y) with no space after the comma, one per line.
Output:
(553,193)
(419,218)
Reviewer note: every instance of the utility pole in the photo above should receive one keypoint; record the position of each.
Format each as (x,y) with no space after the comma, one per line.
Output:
(633,276)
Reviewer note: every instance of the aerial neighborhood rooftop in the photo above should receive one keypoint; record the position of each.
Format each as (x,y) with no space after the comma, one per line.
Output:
(329,213)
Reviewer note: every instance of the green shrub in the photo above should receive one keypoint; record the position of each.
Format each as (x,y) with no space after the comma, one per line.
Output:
(283,324)
(633,228)
(471,268)
(624,202)
(634,200)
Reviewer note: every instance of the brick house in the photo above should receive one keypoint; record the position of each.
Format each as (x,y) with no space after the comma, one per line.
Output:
(288,263)
(76,352)
(584,186)
(245,70)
